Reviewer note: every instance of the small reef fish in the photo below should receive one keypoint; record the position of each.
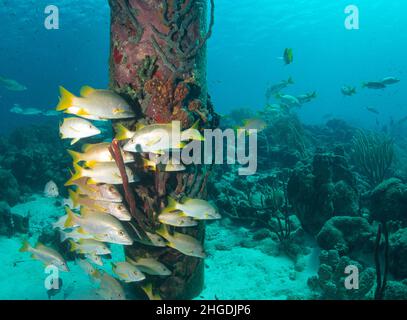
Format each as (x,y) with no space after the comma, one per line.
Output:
(115,209)
(156,138)
(107,173)
(150,266)
(76,129)
(177,219)
(110,288)
(95,104)
(94,258)
(11,85)
(288,56)
(253,124)
(182,243)
(155,240)
(348,91)
(17,109)
(50,113)
(74,235)
(89,246)
(102,227)
(276,88)
(373,85)
(149,291)
(390,80)
(308,97)
(98,153)
(195,208)
(90,270)
(99,192)
(46,255)
(51,190)
(372,110)
(289,100)
(127,272)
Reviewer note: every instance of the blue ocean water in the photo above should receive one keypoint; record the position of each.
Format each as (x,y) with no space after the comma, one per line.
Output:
(244,53)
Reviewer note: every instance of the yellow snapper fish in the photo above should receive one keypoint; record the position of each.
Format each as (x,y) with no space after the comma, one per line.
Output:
(94,258)
(99,192)
(95,104)
(110,288)
(177,219)
(169,166)
(51,190)
(115,209)
(127,272)
(253,124)
(46,255)
(76,129)
(155,240)
(60,223)
(149,291)
(101,173)
(98,153)
(156,138)
(89,246)
(102,227)
(90,270)
(74,235)
(182,242)
(150,266)
(195,208)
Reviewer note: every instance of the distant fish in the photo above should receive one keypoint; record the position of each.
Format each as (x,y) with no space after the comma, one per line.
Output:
(372,110)
(308,97)
(278,87)
(50,113)
(373,85)
(150,266)
(95,104)
(288,100)
(46,255)
(90,270)
(76,129)
(288,56)
(51,190)
(253,124)
(17,109)
(12,85)
(348,91)
(390,80)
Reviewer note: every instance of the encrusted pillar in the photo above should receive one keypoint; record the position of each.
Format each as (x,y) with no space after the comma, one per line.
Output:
(158,61)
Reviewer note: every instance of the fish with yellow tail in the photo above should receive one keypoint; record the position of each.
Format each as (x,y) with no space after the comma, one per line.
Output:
(253,124)
(74,235)
(195,208)
(177,219)
(149,291)
(110,288)
(101,173)
(89,246)
(95,104)
(76,129)
(115,209)
(150,266)
(158,138)
(46,255)
(99,192)
(182,243)
(94,258)
(127,272)
(103,227)
(98,152)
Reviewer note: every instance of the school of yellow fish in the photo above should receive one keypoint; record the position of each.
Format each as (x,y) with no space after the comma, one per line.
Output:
(96,214)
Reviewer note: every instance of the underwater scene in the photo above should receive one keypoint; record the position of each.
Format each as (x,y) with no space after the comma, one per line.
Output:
(203,149)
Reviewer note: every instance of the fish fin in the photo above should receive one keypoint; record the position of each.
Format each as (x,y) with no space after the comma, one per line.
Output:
(153,141)
(118,111)
(25,247)
(76,156)
(192,133)
(74,141)
(91,164)
(149,164)
(62,236)
(91,181)
(86,147)
(39,245)
(139,126)
(74,196)
(86,91)
(172,204)
(122,133)
(81,231)
(70,220)
(82,112)
(74,246)
(290,80)
(77,175)
(66,99)
(162,231)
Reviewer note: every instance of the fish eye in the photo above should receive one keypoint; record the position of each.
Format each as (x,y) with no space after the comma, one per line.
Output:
(120,207)
(121,233)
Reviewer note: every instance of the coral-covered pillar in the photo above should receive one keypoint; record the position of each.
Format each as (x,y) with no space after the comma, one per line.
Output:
(158,61)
